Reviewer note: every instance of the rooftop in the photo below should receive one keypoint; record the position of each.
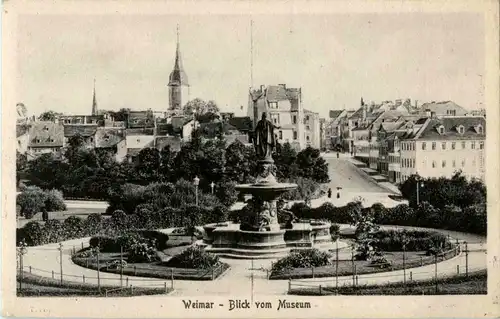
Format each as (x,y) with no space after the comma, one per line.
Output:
(46,134)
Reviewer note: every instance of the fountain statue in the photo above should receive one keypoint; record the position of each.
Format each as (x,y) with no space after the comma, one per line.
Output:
(260,235)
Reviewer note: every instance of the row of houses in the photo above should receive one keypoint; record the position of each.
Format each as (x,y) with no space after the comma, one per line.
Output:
(123,139)
(399,139)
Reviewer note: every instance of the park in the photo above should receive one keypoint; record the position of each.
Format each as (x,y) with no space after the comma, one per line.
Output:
(254,220)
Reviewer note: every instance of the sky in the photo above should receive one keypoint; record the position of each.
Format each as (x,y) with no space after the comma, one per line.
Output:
(336,59)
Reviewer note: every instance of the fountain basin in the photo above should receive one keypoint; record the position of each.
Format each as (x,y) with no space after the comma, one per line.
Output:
(226,239)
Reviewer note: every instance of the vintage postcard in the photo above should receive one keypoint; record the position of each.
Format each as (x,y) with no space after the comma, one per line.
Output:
(232,159)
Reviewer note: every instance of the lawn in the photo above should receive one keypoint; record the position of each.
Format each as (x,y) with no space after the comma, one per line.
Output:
(80,212)
(37,286)
(474,284)
(155,269)
(412,259)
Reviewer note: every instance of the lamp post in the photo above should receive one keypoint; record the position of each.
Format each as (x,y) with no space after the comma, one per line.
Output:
(196,182)
(22,249)
(212,185)
(419,184)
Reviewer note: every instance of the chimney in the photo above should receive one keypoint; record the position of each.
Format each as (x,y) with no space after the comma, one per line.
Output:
(56,120)
(416,104)
(433,115)
(428,113)
(262,88)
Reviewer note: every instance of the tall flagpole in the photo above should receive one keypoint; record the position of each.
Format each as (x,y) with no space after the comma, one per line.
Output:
(251,53)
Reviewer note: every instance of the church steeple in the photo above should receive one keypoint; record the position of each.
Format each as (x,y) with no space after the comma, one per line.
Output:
(178,76)
(178,85)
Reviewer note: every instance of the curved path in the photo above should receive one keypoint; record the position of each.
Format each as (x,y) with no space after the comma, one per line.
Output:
(238,279)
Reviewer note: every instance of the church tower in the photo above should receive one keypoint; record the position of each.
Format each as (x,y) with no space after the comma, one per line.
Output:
(178,86)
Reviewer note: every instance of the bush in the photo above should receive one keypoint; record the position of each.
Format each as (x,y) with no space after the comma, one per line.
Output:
(54,201)
(393,240)
(73,227)
(194,257)
(141,249)
(306,258)
(33,234)
(33,199)
(335,231)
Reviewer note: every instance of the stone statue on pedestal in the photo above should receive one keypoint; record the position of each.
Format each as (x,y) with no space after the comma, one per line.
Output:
(264,139)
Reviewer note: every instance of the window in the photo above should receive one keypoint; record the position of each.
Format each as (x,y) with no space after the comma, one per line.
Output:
(463,163)
(294,119)
(307,117)
(138,140)
(481,145)
(453,164)
(453,145)
(443,145)
(441,129)
(307,138)
(433,164)
(45,128)
(91,139)
(294,135)
(473,145)
(463,145)
(280,135)
(308,128)
(461,129)
(423,146)
(433,146)
(480,129)
(443,163)
(413,163)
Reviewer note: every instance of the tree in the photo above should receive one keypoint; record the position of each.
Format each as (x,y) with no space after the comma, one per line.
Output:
(285,159)
(121,115)
(198,107)
(49,116)
(167,157)
(312,165)
(148,165)
(47,172)
(238,162)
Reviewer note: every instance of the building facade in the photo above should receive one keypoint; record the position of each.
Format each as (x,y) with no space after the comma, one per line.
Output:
(283,106)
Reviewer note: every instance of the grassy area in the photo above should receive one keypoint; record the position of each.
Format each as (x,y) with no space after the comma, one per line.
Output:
(37,286)
(474,284)
(80,212)
(413,259)
(151,270)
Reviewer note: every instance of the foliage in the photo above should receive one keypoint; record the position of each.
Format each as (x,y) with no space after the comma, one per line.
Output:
(312,165)
(305,258)
(141,249)
(440,192)
(335,231)
(73,227)
(194,257)
(33,200)
(198,107)
(49,116)
(307,190)
(411,240)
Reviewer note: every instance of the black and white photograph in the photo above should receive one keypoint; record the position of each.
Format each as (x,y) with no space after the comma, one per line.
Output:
(279,163)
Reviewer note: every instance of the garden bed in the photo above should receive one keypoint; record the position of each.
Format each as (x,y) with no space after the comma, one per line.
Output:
(412,259)
(474,284)
(154,269)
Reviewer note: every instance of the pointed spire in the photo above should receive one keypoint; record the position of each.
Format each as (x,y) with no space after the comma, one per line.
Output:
(178,76)
(94,102)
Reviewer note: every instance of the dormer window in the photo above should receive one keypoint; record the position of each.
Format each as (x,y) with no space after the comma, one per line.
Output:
(45,128)
(480,129)
(51,140)
(461,129)
(441,129)
(37,140)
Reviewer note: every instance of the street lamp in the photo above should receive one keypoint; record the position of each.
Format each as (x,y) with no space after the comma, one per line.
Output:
(196,182)
(22,249)
(420,183)
(212,185)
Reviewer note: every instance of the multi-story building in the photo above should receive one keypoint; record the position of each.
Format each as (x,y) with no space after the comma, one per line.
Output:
(113,141)
(283,105)
(334,129)
(97,120)
(444,108)
(443,146)
(85,132)
(45,137)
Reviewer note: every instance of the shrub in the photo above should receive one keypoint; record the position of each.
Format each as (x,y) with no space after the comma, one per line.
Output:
(53,231)
(33,233)
(73,227)
(140,249)
(194,257)
(306,258)
(335,231)
(31,201)
(92,224)
(54,201)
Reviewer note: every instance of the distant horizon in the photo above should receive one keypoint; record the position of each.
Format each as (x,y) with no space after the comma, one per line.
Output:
(335,59)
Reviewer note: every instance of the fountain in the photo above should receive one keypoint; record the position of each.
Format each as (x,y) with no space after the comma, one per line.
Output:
(259,235)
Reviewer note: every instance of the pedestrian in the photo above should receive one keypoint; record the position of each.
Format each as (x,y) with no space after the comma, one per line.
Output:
(45,214)
(337,154)
(329,193)
(338,192)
